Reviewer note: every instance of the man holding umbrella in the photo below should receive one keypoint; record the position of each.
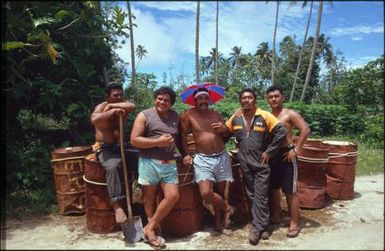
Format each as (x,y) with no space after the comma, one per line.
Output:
(211,162)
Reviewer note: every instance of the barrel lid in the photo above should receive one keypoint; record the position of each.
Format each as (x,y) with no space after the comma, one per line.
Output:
(62,152)
(338,143)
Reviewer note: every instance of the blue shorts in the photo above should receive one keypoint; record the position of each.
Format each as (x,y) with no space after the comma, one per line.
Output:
(153,171)
(213,167)
(284,174)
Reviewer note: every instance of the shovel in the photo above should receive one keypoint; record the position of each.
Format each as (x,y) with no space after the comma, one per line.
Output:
(132,228)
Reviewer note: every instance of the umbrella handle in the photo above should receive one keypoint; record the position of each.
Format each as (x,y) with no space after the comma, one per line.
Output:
(123,155)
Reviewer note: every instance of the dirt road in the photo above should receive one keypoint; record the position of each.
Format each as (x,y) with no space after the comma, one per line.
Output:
(353,224)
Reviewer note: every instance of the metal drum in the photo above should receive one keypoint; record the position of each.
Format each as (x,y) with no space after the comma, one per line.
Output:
(311,185)
(100,213)
(186,217)
(68,169)
(341,169)
(237,193)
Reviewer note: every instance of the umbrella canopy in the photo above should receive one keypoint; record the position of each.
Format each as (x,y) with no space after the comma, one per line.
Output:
(216,93)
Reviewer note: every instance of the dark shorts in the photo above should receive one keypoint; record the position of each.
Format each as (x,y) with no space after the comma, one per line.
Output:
(284,174)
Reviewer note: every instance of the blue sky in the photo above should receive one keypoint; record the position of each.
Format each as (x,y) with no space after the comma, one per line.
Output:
(167,30)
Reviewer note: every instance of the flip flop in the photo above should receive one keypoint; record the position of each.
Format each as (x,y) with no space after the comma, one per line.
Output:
(159,239)
(292,233)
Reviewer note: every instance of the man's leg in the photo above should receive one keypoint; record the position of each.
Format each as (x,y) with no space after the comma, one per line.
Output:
(171,197)
(227,210)
(207,193)
(275,205)
(293,206)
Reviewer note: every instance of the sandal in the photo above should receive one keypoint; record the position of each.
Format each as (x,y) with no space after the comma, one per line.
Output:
(152,242)
(292,233)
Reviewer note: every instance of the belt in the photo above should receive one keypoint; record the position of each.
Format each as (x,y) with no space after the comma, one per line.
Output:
(172,161)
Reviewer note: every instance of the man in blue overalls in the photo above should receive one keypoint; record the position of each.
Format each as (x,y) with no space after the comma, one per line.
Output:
(259,135)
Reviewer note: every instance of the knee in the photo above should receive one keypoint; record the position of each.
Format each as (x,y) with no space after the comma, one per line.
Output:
(206,195)
(173,197)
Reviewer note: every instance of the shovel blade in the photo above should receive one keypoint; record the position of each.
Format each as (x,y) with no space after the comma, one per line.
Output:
(133,231)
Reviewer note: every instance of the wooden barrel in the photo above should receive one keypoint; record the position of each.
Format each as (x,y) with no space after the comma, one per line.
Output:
(341,169)
(311,185)
(237,193)
(68,170)
(100,213)
(314,143)
(186,217)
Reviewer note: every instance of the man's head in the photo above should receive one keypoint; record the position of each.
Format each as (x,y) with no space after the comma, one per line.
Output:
(201,97)
(164,98)
(275,96)
(247,97)
(114,92)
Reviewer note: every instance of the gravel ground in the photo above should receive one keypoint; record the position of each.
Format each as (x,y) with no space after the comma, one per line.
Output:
(351,224)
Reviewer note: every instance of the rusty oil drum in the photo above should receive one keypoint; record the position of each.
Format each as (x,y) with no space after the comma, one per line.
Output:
(237,193)
(99,211)
(341,169)
(68,170)
(311,184)
(191,143)
(186,217)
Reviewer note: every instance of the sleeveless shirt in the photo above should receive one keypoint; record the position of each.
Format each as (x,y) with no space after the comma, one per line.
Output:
(156,126)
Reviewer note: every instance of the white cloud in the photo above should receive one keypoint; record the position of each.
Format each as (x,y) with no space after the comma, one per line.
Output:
(356,38)
(356,62)
(357,30)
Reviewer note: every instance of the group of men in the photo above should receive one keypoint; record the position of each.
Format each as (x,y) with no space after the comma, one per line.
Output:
(265,151)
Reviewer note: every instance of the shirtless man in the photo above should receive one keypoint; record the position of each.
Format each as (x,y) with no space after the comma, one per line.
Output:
(105,119)
(284,164)
(211,162)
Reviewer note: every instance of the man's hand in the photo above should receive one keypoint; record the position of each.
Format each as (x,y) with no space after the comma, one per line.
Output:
(119,111)
(218,127)
(166,140)
(264,158)
(187,160)
(290,155)
(238,112)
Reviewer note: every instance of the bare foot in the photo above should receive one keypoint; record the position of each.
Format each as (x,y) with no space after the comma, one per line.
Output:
(151,238)
(120,216)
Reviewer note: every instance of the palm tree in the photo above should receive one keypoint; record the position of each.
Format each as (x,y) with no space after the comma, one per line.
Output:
(234,59)
(274,36)
(263,53)
(140,53)
(302,48)
(216,45)
(197,44)
(308,74)
(133,72)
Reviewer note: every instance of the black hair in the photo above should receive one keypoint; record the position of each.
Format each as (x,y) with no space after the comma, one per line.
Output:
(166,90)
(247,90)
(111,86)
(200,89)
(274,88)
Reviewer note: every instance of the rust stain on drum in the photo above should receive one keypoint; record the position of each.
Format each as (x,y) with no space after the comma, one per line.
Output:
(68,170)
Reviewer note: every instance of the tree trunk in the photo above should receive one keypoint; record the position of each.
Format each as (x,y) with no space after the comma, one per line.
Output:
(105,76)
(301,53)
(197,44)
(274,36)
(308,75)
(133,72)
(216,45)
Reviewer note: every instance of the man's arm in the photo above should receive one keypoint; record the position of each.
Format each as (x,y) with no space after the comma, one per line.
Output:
(298,122)
(186,129)
(125,105)
(278,137)
(102,120)
(138,140)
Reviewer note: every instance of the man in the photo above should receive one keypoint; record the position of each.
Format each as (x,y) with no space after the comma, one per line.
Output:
(211,162)
(105,119)
(156,133)
(284,165)
(259,135)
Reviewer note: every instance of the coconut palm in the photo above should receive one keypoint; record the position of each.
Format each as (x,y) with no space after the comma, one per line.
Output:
(274,36)
(133,72)
(140,53)
(197,44)
(216,45)
(313,51)
(302,48)
(235,56)
(263,54)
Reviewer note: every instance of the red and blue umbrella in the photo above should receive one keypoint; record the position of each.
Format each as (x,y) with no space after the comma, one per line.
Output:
(216,93)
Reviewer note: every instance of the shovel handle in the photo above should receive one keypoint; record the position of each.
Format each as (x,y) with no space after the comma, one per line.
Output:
(122,152)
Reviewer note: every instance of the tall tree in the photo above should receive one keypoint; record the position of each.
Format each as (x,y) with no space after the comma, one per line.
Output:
(313,51)
(140,53)
(302,48)
(216,44)
(133,71)
(197,44)
(274,36)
